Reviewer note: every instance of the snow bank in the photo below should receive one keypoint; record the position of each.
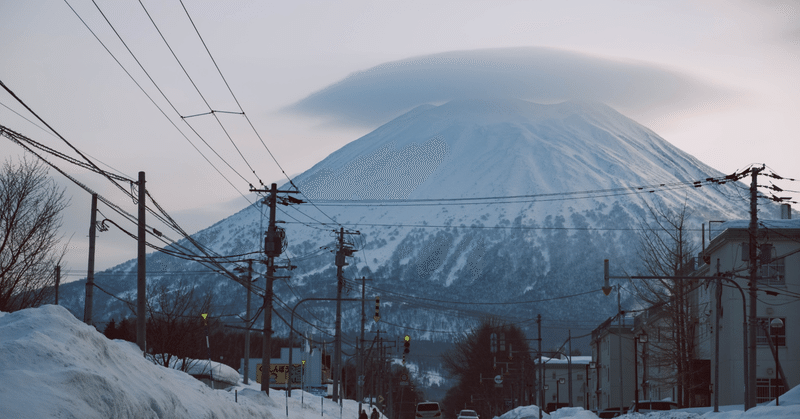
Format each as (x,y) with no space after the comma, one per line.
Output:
(572,413)
(524,412)
(53,365)
(56,366)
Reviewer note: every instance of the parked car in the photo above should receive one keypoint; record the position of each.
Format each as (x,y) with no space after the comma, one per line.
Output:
(467,414)
(612,412)
(428,410)
(653,406)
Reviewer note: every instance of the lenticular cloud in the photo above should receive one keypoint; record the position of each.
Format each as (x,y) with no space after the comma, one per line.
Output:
(378,94)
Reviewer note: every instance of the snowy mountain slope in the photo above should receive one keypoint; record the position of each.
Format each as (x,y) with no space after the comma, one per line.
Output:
(576,164)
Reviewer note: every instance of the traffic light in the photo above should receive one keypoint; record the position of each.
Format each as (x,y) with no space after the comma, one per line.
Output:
(493,343)
(377,308)
(406,346)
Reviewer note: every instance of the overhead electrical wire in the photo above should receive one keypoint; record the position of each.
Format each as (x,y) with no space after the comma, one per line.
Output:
(211,110)
(545,197)
(157,106)
(242,112)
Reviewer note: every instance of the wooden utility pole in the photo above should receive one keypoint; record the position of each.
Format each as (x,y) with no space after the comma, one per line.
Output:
(272,248)
(141,272)
(341,253)
(360,376)
(272,252)
(89,302)
(750,401)
(541,365)
(337,350)
(247,324)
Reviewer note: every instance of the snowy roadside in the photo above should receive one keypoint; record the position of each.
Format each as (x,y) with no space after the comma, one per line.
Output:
(54,365)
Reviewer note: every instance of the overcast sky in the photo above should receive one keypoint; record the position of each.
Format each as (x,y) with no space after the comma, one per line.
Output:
(718,79)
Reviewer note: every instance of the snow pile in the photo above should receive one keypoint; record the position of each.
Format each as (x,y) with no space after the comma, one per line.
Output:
(56,366)
(524,412)
(53,365)
(572,413)
(789,408)
(205,367)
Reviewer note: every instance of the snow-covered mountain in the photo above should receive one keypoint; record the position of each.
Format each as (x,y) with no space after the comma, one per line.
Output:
(465,208)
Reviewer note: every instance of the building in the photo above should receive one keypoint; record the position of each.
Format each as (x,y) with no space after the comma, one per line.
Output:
(777,298)
(562,389)
(654,348)
(613,359)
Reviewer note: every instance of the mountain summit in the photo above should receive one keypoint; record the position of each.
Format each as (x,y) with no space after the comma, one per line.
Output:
(467,208)
(473,148)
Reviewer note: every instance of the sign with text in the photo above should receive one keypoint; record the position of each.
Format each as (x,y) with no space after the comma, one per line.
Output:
(279,373)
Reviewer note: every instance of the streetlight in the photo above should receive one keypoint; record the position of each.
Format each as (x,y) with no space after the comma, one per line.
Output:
(642,337)
(544,402)
(775,325)
(596,367)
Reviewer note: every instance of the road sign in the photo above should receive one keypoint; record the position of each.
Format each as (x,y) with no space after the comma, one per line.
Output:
(380,399)
(498,379)
(404,379)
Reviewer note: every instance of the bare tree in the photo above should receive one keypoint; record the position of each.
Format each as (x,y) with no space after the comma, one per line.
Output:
(666,250)
(175,330)
(477,357)
(30,218)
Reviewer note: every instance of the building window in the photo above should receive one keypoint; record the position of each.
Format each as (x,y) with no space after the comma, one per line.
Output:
(765,331)
(773,273)
(766,389)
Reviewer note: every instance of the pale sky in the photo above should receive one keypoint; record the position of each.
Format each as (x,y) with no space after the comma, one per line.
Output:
(718,79)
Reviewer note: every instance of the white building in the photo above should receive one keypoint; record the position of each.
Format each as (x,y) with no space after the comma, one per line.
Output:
(778,297)
(613,372)
(557,382)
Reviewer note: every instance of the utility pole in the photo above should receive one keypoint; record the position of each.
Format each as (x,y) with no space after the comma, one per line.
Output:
(272,248)
(89,302)
(619,343)
(717,316)
(341,253)
(750,401)
(360,379)
(541,365)
(569,367)
(141,273)
(247,325)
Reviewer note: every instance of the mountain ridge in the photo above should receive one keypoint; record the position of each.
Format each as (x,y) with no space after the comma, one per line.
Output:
(576,166)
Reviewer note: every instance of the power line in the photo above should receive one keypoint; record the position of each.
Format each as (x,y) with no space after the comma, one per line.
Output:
(211,110)
(156,105)
(544,197)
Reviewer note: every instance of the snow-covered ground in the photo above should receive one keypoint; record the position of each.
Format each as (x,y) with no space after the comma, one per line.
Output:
(54,366)
(789,408)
